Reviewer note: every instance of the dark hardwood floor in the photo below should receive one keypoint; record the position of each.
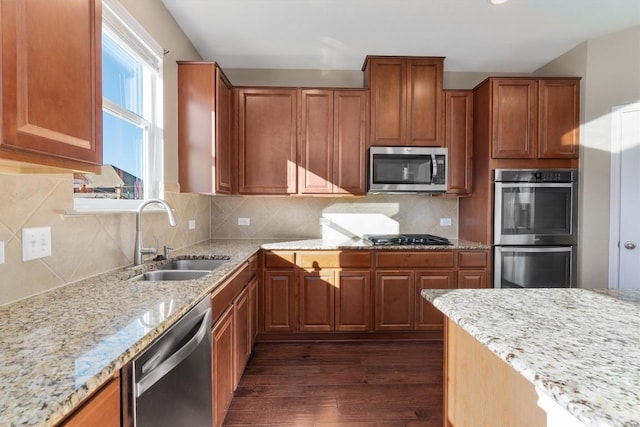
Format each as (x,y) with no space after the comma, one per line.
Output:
(340,384)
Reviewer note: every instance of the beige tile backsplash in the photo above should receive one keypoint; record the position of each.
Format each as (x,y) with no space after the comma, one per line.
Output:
(299,217)
(82,245)
(86,245)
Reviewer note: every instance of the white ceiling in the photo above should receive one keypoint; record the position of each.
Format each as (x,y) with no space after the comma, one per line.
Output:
(473,35)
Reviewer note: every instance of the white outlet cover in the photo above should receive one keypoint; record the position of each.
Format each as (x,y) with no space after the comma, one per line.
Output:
(1,252)
(445,222)
(36,243)
(244,221)
(192,224)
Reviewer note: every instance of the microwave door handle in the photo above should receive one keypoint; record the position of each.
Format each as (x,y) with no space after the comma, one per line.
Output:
(434,167)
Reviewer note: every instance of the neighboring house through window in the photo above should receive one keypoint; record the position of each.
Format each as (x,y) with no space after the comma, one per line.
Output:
(132,118)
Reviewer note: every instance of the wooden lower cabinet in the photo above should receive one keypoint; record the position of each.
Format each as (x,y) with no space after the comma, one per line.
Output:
(316,301)
(222,362)
(353,301)
(279,301)
(394,300)
(101,410)
(253,307)
(427,316)
(472,279)
(242,331)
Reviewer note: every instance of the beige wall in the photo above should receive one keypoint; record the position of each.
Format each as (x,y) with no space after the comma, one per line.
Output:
(85,245)
(610,66)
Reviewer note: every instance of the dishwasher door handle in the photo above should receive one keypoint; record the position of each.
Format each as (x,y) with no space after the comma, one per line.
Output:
(175,359)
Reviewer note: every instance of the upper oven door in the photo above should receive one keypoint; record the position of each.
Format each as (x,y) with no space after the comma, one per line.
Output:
(535,213)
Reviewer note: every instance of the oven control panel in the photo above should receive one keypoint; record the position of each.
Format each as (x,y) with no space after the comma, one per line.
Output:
(535,175)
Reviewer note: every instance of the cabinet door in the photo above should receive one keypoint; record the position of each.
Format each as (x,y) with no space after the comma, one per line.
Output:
(387,83)
(222,150)
(267,141)
(458,131)
(242,321)
(427,316)
(279,301)
(558,118)
(101,410)
(222,356)
(513,121)
(204,128)
(317,300)
(472,279)
(424,102)
(315,166)
(350,141)
(51,86)
(353,301)
(253,304)
(394,300)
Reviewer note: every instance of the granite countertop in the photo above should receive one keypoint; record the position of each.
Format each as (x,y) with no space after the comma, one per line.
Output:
(355,244)
(60,346)
(581,348)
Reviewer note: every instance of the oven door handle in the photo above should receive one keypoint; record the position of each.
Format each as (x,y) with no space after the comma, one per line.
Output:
(534,184)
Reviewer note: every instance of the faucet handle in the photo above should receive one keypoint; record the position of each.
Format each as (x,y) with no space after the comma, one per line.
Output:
(167,249)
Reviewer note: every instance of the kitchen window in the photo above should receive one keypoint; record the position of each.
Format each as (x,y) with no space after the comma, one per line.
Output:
(132,118)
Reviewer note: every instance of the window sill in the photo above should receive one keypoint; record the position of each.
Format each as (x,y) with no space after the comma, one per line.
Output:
(108,206)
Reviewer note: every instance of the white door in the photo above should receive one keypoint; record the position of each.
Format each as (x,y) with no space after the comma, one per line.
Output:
(626,136)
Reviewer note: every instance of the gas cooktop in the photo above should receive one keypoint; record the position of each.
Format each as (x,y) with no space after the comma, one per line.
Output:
(405,239)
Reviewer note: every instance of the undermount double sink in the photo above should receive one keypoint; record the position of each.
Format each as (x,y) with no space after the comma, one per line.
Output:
(182,269)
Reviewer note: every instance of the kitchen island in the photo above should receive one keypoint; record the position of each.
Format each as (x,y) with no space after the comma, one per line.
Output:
(579,349)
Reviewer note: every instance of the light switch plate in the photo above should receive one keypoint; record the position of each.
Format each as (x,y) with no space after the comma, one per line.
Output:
(1,252)
(192,224)
(36,243)
(244,221)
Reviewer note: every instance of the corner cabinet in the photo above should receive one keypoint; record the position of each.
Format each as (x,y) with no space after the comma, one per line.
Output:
(406,100)
(267,126)
(51,84)
(204,128)
(332,141)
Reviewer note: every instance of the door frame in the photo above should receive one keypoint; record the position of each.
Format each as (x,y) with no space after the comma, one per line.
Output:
(615,192)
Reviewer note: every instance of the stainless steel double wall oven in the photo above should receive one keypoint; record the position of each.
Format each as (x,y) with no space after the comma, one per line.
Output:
(535,228)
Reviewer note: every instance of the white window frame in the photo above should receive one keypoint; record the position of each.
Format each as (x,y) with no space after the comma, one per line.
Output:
(117,21)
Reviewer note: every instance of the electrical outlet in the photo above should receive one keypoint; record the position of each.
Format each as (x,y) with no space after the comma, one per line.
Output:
(445,222)
(192,224)
(1,253)
(244,221)
(36,243)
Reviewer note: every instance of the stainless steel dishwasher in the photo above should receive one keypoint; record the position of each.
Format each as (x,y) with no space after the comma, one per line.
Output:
(172,378)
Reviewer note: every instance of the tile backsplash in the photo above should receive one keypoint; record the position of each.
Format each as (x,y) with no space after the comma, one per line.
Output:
(82,245)
(332,217)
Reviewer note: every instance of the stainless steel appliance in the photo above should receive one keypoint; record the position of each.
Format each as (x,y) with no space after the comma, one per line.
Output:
(406,239)
(407,169)
(535,227)
(172,378)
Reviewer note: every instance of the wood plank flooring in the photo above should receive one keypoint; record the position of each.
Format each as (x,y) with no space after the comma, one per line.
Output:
(340,384)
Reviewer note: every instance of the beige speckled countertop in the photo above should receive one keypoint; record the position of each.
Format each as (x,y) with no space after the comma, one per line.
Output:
(60,346)
(580,348)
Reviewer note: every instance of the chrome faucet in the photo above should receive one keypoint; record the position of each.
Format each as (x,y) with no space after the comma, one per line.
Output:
(138,250)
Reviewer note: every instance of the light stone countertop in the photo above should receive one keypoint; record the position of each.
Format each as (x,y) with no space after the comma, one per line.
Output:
(579,347)
(60,346)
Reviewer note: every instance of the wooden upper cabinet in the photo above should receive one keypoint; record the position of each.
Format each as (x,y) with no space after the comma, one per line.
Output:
(458,137)
(267,140)
(558,118)
(406,100)
(204,128)
(534,118)
(332,141)
(51,83)
(513,119)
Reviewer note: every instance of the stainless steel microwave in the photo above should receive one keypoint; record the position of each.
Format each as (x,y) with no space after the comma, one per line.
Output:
(407,170)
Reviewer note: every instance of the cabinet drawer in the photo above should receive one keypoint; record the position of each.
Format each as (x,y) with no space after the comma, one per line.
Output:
(423,259)
(334,259)
(278,259)
(475,259)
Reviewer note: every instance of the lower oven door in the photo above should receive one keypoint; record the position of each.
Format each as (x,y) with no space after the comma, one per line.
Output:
(534,267)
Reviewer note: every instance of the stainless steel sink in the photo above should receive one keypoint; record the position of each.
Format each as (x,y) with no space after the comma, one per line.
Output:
(194,264)
(158,275)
